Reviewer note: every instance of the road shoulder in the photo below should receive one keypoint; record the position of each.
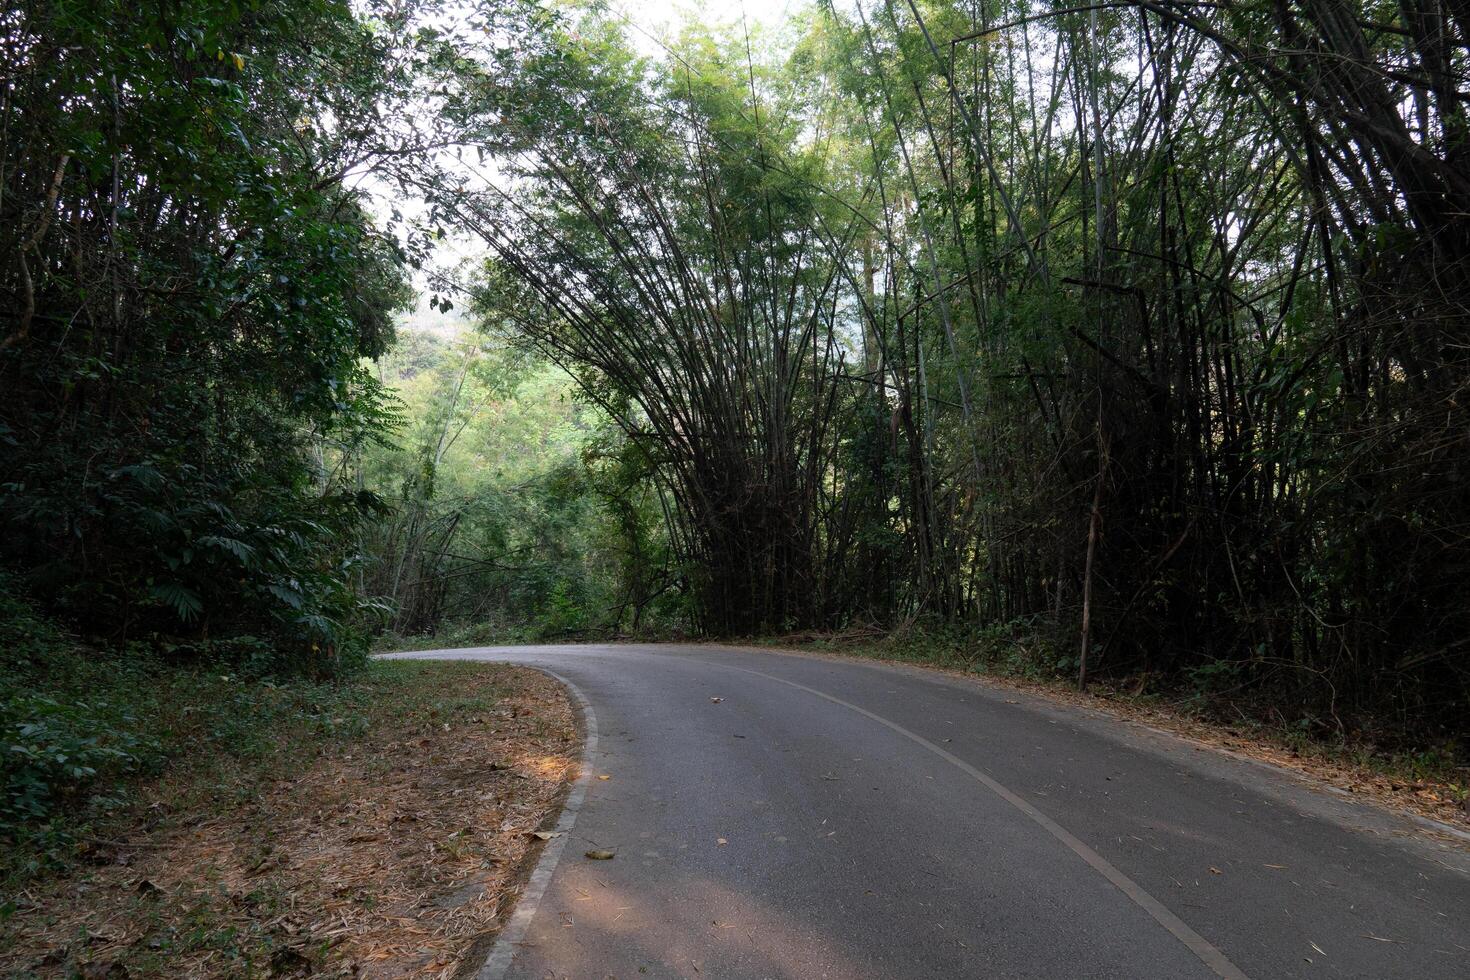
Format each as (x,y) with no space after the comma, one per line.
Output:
(1430,806)
(392,853)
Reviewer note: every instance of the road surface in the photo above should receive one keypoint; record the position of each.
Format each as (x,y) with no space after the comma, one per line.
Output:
(786,816)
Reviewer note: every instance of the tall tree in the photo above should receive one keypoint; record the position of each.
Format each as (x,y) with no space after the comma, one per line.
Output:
(189,283)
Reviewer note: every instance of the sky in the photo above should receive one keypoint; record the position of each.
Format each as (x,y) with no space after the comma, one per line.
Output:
(652,19)
(649,20)
(651,15)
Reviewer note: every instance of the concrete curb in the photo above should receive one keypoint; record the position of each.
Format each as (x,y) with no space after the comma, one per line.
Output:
(507,944)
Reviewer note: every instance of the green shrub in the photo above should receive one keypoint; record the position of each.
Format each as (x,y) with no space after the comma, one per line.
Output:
(79,725)
(55,751)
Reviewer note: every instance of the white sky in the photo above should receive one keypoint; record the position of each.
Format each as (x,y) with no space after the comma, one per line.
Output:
(648,20)
(653,15)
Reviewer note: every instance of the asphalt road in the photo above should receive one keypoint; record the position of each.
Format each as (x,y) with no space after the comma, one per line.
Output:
(846,820)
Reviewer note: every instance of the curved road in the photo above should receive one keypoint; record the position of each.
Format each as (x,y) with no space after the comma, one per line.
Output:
(856,821)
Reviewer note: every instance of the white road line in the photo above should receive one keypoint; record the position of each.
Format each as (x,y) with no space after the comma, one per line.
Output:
(507,944)
(1208,954)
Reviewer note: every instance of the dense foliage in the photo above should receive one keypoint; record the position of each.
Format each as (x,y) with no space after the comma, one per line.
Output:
(1139,325)
(673,257)
(517,510)
(189,287)
(80,727)
(1137,328)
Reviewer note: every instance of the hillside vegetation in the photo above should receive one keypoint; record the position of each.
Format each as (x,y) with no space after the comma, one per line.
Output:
(1131,340)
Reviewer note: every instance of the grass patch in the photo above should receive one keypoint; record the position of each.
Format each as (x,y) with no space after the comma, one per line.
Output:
(291,829)
(81,729)
(1004,650)
(489,634)
(214,738)
(456,636)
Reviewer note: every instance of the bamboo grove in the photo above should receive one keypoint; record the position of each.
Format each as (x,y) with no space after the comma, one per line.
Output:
(1140,328)
(1138,325)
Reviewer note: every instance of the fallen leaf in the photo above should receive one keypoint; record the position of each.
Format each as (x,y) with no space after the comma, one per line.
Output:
(1216,871)
(604,777)
(600,855)
(721,841)
(544,834)
(715,700)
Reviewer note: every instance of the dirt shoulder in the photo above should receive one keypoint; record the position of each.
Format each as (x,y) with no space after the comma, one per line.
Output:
(1357,770)
(392,853)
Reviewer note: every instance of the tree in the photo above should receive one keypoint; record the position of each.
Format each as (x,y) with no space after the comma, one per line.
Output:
(189,287)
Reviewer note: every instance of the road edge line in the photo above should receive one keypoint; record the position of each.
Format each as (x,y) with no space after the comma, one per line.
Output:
(507,944)
(1210,955)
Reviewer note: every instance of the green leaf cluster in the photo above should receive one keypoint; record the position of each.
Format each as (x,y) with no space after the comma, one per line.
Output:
(190,284)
